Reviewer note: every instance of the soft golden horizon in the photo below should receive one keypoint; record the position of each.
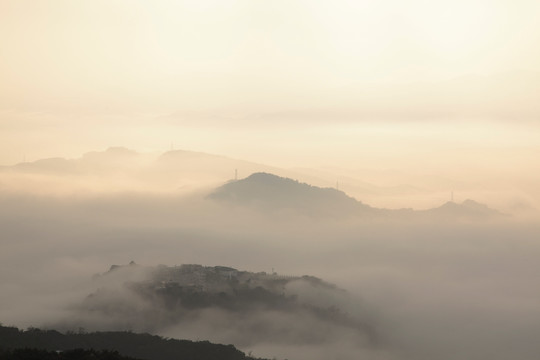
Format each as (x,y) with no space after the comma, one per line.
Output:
(298,179)
(444,89)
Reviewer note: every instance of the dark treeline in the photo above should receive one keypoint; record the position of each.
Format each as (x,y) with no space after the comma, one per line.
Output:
(142,346)
(75,354)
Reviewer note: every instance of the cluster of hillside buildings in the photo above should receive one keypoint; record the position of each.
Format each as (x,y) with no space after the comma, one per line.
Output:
(213,277)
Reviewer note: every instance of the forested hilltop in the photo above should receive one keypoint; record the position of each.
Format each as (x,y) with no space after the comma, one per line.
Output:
(221,304)
(75,354)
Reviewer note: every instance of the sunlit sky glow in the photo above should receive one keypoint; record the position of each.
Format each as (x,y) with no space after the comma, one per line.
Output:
(292,83)
(408,105)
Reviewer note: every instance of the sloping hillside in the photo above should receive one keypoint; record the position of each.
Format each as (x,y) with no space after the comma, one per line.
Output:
(271,192)
(141,346)
(221,304)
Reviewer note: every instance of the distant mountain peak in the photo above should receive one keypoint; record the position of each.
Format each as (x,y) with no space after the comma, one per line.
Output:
(272,192)
(120,150)
(274,181)
(110,152)
(468,208)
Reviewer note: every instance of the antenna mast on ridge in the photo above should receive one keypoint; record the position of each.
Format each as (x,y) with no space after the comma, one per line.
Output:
(235,174)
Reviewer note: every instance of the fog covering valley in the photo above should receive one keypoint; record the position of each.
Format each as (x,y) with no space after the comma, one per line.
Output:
(304,180)
(355,280)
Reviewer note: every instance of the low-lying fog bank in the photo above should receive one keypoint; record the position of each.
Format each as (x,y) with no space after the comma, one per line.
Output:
(434,289)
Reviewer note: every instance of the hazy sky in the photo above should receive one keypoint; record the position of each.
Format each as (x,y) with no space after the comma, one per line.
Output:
(285,82)
(403,102)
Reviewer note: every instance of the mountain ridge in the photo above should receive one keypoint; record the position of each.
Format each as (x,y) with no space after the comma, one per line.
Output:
(271,192)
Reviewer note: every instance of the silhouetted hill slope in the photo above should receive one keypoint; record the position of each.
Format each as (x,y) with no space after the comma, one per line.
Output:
(75,354)
(467,209)
(176,164)
(95,162)
(121,169)
(270,192)
(142,346)
(50,165)
(274,192)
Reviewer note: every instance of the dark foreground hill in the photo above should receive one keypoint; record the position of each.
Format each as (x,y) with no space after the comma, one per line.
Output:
(75,354)
(108,346)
